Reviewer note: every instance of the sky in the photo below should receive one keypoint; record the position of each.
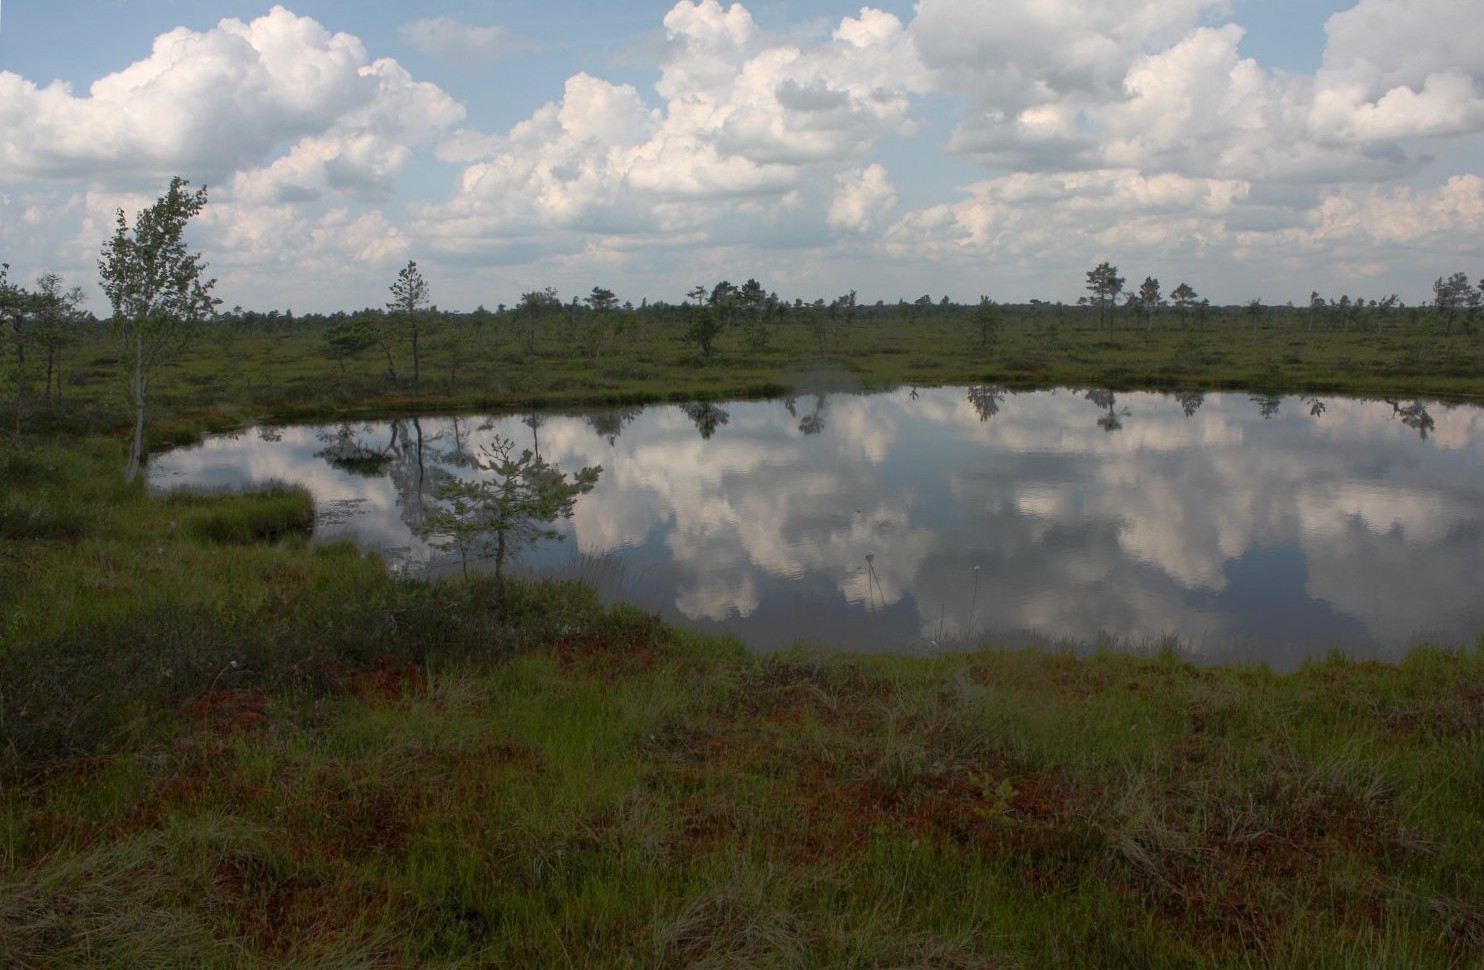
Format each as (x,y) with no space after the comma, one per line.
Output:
(1254,149)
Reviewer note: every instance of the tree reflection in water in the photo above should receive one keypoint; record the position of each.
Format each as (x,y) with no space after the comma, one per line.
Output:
(1267,405)
(813,422)
(707,417)
(1414,415)
(1107,399)
(1190,402)
(986,400)
(608,425)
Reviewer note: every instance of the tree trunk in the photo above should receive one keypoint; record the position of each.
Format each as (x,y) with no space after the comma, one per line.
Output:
(20,382)
(20,378)
(500,564)
(136,451)
(416,363)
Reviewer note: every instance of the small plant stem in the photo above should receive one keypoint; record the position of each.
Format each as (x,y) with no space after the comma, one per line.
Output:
(974,601)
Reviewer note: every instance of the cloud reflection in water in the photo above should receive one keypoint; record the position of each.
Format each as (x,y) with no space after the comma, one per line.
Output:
(1239,528)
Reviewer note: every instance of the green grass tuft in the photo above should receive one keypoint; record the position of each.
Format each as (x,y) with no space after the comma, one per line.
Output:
(273,514)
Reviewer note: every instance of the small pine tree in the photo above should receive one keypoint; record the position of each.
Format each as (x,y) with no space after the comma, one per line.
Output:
(496,517)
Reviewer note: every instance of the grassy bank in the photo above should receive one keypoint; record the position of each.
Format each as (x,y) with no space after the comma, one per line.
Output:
(230,374)
(222,747)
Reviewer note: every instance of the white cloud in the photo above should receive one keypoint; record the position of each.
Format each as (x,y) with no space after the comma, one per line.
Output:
(297,129)
(566,167)
(1028,69)
(1449,103)
(209,103)
(453,40)
(1041,216)
(1446,216)
(1012,54)
(1132,129)
(783,104)
(1198,107)
(742,126)
(1082,85)
(1401,69)
(862,200)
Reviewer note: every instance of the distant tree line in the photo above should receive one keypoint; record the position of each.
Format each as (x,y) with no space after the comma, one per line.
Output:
(1456,304)
(159,297)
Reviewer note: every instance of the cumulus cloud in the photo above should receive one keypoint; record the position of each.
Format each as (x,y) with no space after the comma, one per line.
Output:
(1197,107)
(218,101)
(1401,69)
(566,167)
(1136,128)
(297,130)
(1057,224)
(1029,70)
(1156,86)
(1030,215)
(453,40)
(862,200)
(1015,54)
(1404,215)
(742,124)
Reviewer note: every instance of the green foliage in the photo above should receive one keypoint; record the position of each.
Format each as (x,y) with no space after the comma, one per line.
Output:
(705,326)
(536,310)
(1148,300)
(223,749)
(411,297)
(601,300)
(14,304)
(155,287)
(496,517)
(1104,283)
(347,339)
(518,358)
(988,319)
(1185,297)
(1456,300)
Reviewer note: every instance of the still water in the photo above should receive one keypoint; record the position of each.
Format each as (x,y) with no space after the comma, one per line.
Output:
(1241,527)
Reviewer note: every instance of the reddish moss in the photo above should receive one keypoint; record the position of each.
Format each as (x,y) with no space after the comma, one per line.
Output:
(225,711)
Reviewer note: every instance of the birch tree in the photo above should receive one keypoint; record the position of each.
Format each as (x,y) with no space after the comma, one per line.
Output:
(14,305)
(155,286)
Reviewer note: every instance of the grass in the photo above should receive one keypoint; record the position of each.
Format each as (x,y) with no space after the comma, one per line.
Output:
(270,515)
(230,375)
(618,793)
(221,746)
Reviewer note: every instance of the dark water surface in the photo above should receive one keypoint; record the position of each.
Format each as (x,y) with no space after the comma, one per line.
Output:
(1249,528)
